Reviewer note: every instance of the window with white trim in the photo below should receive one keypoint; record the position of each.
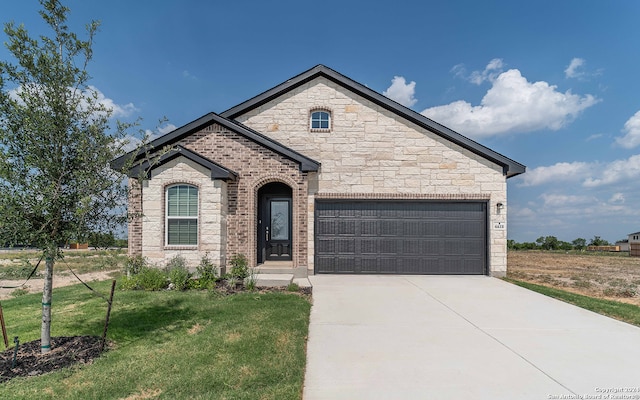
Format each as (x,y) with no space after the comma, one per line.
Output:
(320,120)
(182,215)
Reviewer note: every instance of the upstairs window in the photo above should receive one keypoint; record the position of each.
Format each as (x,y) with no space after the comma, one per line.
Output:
(320,120)
(182,215)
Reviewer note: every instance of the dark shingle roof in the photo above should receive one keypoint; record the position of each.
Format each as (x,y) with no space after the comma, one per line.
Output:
(510,167)
(306,163)
(217,170)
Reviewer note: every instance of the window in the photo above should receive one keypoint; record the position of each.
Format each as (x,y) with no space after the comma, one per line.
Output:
(182,215)
(320,120)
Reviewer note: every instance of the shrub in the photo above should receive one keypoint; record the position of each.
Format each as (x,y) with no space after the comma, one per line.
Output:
(251,280)
(239,266)
(293,287)
(147,279)
(178,273)
(206,274)
(176,261)
(135,265)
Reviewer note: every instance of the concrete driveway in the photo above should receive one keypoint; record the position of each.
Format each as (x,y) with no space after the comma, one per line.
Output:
(459,337)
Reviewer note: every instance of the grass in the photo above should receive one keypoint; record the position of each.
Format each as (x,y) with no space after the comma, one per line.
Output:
(621,311)
(170,345)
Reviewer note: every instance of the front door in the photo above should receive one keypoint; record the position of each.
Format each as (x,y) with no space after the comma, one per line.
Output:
(277,228)
(274,223)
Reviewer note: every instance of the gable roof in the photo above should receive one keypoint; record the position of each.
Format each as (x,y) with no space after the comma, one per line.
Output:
(510,167)
(306,163)
(217,170)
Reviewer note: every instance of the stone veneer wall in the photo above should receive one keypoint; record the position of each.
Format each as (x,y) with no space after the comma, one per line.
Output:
(372,153)
(212,210)
(255,166)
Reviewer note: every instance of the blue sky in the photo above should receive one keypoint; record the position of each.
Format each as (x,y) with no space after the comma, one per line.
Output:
(550,84)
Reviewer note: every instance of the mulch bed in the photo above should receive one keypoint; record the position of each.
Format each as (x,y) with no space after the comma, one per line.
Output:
(65,351)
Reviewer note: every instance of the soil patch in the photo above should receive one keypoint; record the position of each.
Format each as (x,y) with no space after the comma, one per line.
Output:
(607,276)
(60,279)
(65,351)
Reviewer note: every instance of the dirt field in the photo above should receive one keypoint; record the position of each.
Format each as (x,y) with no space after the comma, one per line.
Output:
(35,285)
(608,275)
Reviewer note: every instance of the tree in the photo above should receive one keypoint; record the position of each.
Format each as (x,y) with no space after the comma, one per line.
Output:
(597,241)
(579,243)
(548,242)
(55,181)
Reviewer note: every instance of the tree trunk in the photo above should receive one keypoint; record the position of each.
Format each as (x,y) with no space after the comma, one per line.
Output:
(45,331)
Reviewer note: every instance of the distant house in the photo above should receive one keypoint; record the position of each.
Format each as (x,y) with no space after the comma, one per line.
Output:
(634,244)
(623,244)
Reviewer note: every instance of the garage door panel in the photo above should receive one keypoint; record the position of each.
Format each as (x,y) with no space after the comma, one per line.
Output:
(345,246)
(401,237)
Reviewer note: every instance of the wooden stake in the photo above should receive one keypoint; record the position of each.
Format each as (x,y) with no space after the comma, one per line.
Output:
(4,329)
(106,322)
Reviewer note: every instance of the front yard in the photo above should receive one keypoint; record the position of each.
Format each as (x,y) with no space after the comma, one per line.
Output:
(170,344)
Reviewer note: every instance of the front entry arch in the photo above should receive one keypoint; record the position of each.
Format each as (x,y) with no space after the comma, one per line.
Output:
(275,238)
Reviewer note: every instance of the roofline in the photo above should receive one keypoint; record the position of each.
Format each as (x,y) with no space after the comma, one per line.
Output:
(511,168)
(217,170)
(306,164)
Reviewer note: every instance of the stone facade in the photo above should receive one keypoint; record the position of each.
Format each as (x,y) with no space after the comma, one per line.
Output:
(371,153)
(212,214)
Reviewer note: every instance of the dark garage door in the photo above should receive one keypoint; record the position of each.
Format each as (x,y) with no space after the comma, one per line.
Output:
(400,237)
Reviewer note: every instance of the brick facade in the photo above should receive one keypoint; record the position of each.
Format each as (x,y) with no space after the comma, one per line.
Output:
(256,166)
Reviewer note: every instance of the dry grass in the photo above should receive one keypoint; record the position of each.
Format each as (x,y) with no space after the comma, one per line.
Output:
(605,275)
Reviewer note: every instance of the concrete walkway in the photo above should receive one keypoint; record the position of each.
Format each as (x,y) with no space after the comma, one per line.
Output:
(454,337)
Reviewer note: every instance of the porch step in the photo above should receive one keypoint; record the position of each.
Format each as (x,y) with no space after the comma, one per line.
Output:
(281,268)
(273,280)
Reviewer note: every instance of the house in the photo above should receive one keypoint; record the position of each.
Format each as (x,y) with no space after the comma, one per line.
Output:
(623,245)
(634,244)
(324,175)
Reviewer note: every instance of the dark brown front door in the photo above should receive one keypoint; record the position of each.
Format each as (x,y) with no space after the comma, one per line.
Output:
(277,230)
(274,223)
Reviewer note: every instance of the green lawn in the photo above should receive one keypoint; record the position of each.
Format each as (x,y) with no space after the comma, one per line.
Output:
(170,345)
(622,311)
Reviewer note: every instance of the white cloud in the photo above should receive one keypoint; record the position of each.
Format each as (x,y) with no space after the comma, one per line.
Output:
(133,142)
(187,75)
(589,175)
(118,110)
(166,129)
(576,69)
(401,91)
(594,137)
(572,71)
(512,104)
(560,172)
(618,171)
(631,129)
(617,198)
(490,73)
(562,200)
(459,70)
